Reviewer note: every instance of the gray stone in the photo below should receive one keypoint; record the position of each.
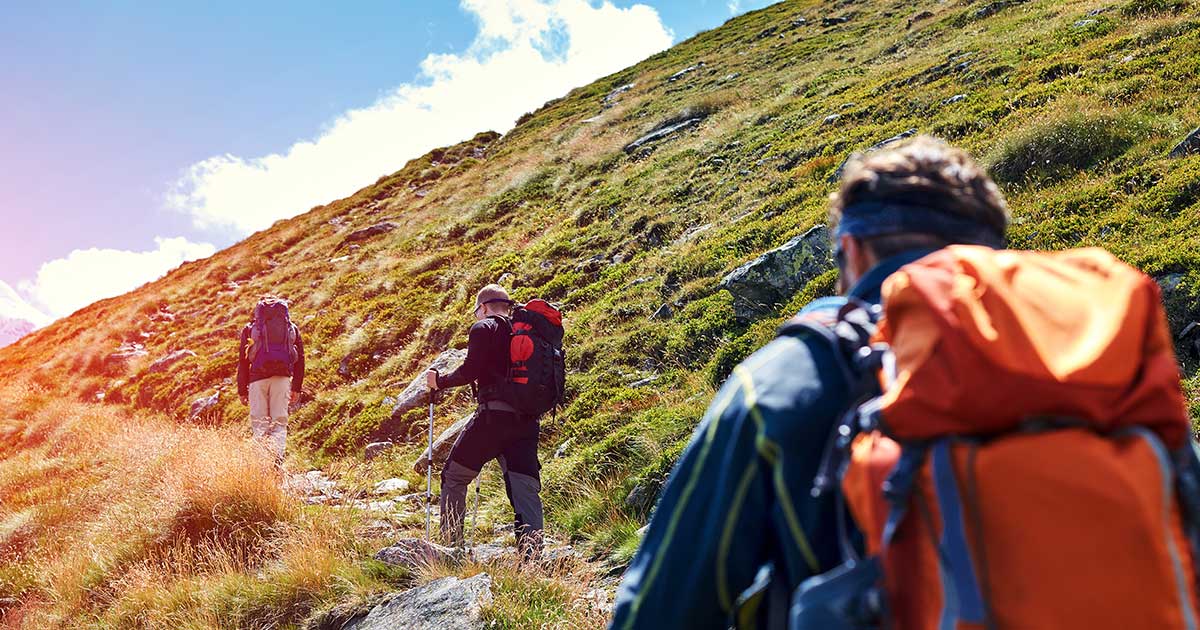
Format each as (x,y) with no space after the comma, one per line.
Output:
(450,602)
(165,363)
(1181,305)
(391,486)
(610,99)
(644,495)
(125,353)
(442,445)
(661,132)
(686,71)
(649,380)
(954,99)
(409,552)
(1085,23)
(1190,145)
(375,449)
(830,119)
(367,233)
(663,312)
(203,404)
(760,286)
(834,21)
(564,448)
(837,174)
(417,392)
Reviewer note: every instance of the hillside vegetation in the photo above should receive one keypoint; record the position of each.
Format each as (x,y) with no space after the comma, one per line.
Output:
(1073,106)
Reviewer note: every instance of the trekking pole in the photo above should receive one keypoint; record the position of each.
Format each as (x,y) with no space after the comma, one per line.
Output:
(429,473)
(475,513)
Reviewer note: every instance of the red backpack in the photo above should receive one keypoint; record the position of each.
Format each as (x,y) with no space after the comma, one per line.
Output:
(537,363)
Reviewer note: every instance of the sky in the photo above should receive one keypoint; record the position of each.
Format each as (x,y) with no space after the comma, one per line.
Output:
(137,135)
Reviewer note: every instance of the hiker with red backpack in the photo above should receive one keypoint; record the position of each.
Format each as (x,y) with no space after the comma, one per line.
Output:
(515,364)
(970,438)
(270,372)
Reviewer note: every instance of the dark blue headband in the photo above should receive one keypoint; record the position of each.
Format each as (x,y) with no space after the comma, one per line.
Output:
(882,218)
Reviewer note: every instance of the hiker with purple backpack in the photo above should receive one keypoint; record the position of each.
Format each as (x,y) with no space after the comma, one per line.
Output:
(270,372)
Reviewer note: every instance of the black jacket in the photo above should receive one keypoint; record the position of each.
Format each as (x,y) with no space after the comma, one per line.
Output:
(487,357)
(245,375)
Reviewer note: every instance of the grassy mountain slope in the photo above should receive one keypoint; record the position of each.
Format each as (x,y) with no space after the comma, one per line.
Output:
(1074,106)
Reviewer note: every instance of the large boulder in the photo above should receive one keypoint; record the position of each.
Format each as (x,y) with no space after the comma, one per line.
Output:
(1190,145)
(203,404)
(367,233)
(450,602)
(760,286)
(442,445)
(396,428)
(413,552)
(165,363)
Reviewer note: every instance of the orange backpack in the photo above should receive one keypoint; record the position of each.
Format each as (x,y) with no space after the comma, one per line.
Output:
(1028,464)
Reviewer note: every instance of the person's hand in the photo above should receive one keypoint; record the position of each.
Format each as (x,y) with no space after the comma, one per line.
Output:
(245,398)
(431,379)
(294,398)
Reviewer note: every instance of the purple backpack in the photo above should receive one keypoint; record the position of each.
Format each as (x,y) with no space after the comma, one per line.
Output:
(272,339)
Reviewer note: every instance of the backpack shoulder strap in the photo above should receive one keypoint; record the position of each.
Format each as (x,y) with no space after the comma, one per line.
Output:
(846,324)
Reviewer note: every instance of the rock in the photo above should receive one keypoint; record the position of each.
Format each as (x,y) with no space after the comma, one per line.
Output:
(125,353)
(797,22)
(662,131)
(417,392)
(837,174)
(162,316)
(663,312)
(1182,307)
(770,31)
(830,119)
(610,99)
(643,496)
(1085,23)
(993,8)
(834,21)
(686,71)
(203,404)
(450,602)
(564,448)
(1189,146)
(955,99)
(649,380)
(409,552)
(391,486)
(375,449)
(761,285)
(923,15)
(165,363)
(366,233)
(442,445)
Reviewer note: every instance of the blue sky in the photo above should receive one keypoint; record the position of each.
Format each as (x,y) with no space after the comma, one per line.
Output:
(139,134)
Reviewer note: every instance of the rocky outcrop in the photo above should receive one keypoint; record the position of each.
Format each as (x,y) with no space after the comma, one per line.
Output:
(663,131)
(165,363)
(411,552)
(125,353)
(395,485)
(397,427)
(376,449)
(760,286)
(450,602)
(1189,146)
(203,404)
(442,445)
(367,233)
(837,174)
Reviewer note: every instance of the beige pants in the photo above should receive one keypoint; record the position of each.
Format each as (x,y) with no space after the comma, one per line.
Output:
(269,400)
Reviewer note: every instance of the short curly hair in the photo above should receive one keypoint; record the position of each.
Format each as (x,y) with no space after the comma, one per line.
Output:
(923,171)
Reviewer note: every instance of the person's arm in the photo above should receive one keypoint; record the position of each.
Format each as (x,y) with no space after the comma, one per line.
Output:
(298,366)
(472,366)
(243,366)
(710,531)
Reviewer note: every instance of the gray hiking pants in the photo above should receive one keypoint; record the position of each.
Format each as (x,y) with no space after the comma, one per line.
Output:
(512,440)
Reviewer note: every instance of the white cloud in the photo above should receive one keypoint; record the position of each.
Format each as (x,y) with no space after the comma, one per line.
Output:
(13,306)
(65,285)
(526,53)
(735,6)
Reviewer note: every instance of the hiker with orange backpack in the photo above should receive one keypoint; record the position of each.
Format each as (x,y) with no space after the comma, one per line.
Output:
(270,372)
(736,529)
(515,364)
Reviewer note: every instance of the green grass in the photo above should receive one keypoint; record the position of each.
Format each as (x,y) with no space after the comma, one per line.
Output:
(1075,120)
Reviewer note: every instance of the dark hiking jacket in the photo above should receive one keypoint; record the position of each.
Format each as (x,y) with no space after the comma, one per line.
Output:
(738,498)
(246,374)
(486,364)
